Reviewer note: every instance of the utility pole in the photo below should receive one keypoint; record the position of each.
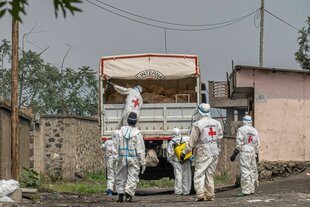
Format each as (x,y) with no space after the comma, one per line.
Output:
(15,168)
(165,40)
(261,35)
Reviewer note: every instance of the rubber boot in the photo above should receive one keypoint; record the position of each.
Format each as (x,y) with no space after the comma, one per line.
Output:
(128,197)
(120,198)
(109,192)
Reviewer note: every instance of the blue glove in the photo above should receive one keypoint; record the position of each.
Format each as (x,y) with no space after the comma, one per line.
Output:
(192,158)
(182,156)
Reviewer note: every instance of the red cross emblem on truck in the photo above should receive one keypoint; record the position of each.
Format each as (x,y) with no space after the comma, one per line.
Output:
(135,102)
(211,132)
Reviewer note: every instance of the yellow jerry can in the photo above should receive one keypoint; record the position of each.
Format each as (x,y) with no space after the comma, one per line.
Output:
(179,149)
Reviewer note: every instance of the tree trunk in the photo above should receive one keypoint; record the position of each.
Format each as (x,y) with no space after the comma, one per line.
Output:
(15,169)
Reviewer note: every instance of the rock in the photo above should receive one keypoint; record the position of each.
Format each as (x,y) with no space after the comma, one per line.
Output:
(300,166)
(79,175)
(265,174)
(291,165)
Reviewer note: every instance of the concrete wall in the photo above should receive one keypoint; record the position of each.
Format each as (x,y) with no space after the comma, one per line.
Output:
(37,147)
(5,141)
(284,128)
(70,144)
(281,112)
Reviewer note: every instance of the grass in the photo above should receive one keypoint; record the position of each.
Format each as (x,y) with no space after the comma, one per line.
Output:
(96,184)
(223,179)
(93,184)
(77,187)
(162,183)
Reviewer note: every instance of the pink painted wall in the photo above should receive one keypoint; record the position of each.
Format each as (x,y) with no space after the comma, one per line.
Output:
(244,78)
(281,113)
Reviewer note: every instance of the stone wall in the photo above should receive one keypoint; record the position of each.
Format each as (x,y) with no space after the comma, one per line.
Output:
(272,170)
(5,140)
(71,145)
(89,154)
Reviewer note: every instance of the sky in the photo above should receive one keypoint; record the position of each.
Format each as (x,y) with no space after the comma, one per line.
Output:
(96,32)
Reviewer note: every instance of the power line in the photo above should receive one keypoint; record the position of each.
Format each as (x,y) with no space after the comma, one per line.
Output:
(170,28)
(171,23)
(256,18)
(281,19)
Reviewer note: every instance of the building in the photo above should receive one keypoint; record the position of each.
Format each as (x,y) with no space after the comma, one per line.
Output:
(279,102)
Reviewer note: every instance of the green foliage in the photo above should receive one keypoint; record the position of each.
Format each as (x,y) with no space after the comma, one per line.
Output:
(77,187)
(94,183)
(55,177)
(223,179)
(302,56)
(66,5)
(97,177)
(29,178)
(46,88)
(162,183)
(17,7)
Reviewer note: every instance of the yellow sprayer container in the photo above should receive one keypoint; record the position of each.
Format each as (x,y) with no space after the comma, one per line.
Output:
(179,149)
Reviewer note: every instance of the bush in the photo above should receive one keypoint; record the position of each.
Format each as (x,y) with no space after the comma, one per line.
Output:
(29,178)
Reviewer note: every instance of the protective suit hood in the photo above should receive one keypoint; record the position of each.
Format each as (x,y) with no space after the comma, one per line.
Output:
(204,109)
(247,120)
(129,132)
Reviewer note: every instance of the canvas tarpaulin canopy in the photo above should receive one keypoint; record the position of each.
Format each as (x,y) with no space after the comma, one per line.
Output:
(149,66)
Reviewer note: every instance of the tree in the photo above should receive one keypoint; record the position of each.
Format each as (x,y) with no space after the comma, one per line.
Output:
(302,56)
(48,89)
(5,75)
(17,7)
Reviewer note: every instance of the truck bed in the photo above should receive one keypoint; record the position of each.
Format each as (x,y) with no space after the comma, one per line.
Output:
(156,120)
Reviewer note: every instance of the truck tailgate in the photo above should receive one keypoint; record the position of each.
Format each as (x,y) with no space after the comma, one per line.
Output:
(156,120)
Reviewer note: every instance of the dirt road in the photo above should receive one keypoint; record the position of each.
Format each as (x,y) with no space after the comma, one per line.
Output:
(291,191)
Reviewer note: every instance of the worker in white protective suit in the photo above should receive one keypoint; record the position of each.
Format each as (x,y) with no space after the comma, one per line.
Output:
(110,164)
(205,137)
(129,151)
(247,143)
(134,101)
(182,170)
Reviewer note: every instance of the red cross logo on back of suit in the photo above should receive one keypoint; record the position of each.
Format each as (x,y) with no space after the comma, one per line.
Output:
(135,102)
(211,132)
(250,138)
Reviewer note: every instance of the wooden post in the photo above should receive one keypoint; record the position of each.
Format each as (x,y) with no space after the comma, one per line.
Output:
(15,168)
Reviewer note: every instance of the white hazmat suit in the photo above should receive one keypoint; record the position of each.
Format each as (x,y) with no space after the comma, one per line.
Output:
(110,165)
(247,142)
(205,136)
(182,171)
(134,102)
(129,150)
